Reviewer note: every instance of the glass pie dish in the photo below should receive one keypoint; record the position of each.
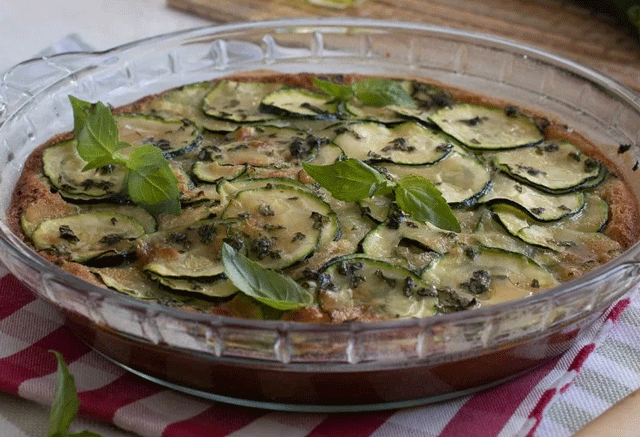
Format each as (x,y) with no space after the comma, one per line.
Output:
(317,367)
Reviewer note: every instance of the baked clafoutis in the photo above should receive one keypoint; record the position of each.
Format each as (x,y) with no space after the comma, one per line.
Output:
(322,199)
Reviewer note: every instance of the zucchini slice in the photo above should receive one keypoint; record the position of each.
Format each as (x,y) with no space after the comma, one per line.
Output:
(213,172)
(553,166)
(376,207)
(138,213)
(300,103)
(384,289)
(173,137)
(229,189)
(407,143)
(238,101)
(491,233)
(186,102)
(385,114)
(566,235)
(216,287)
(281,225)
(127,280)
(412,245)
(483,127)
(63,167)
(461,179)
(327,154)
(83,237)
(262,145)
(490,275)
(192,252)
(539,205)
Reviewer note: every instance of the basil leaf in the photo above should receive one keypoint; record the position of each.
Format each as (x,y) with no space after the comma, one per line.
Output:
(349,180)
(340,92)
(269,287)
(419,198)
(84,433)
(382,92)
(65,400)
(150,181)
(97,134)
(81,110)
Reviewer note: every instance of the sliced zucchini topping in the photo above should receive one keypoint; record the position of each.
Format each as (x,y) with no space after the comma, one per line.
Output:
(410,244)
(542,206)
(173,137)
(483,273)
(191,251)
(407,143)
(281,225)
(63,167)
(385,114)
(186,103)
(483,127)
(212,171)
(383,289)
(213,287)
(297,102)
(262,145)
(247,155)
(238,101)
(554,166)
(568,235)
(461,179)
(83,237)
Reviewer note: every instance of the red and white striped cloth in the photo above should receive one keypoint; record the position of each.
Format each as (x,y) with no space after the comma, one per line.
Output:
(542,403)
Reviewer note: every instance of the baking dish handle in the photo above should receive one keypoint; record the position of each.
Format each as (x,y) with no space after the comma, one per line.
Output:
(25,80)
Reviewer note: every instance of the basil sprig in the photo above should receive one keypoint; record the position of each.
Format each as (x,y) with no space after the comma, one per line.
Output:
(269,287)
(372,91)
(351,180)
(150,181)
(64,407)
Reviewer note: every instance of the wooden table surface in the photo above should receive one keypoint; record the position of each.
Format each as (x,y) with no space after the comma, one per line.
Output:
(564,27)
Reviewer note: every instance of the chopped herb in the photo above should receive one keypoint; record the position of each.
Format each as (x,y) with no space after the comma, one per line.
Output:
(111,239)
(511,111)
(348,268)
(575,156)
(551,147)
(590,164)
(207,233)
(478,283)
(391,282)
(266,210)
(427,291)
(235,241)
(624,148)
(400,145)
(319,220)
(473,121)
(67,234)
(298,236)
(408,285)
